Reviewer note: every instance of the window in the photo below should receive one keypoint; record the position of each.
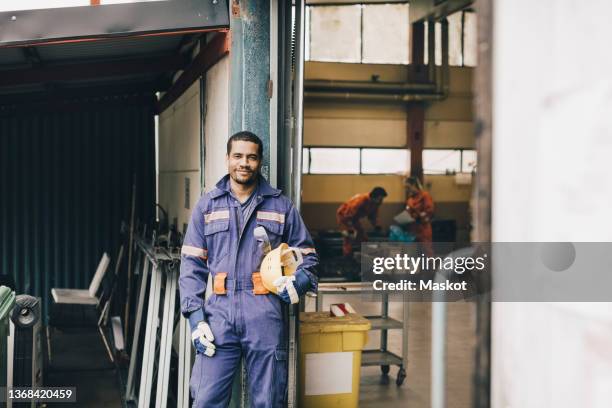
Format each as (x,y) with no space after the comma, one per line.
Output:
(385,161)
(334,161)
(385,34)
(335,33)
(440,161)
(305,161)
(373,33)
(468,161)
(363,160)
(461,40)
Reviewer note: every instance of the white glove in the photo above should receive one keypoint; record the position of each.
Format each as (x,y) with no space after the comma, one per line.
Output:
(285,283)
(202,338)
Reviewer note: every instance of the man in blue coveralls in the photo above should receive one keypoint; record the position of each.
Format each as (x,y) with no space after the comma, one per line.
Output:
(241,318)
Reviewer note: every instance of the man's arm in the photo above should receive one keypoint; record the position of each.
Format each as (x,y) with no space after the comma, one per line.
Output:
(296,235)
(194,268)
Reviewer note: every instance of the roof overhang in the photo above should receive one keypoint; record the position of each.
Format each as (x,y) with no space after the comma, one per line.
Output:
(90,23)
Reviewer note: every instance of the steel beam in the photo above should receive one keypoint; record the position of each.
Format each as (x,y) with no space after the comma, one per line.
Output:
(104,69)
(74,24)
(416,137)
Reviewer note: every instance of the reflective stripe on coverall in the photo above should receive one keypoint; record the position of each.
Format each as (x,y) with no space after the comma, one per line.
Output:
(348,216)
(243,324)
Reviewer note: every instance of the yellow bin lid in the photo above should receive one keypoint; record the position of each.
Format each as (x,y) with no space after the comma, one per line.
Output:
(322,322)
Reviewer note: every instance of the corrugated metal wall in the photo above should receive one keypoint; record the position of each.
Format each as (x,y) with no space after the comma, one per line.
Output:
(65,187)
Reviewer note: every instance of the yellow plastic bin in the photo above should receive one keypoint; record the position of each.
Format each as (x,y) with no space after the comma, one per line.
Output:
(330,359)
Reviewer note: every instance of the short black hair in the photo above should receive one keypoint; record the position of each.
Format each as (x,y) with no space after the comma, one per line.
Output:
(245,136)
(378,192)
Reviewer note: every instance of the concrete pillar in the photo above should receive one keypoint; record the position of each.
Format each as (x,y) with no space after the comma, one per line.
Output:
(250,71)
(250,91)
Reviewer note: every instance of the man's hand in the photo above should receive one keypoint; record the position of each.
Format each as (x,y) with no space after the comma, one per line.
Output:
(201,334)
(203,338)
(290,288)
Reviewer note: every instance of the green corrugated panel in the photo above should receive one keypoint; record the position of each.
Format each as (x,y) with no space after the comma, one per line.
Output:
(7,300)
(65,187)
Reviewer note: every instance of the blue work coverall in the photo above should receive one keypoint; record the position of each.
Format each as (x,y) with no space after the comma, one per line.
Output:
(243,324)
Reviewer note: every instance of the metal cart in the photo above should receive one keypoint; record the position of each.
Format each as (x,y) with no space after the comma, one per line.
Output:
(382,357)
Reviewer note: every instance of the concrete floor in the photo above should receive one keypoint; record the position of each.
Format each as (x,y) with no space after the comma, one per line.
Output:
(79,360)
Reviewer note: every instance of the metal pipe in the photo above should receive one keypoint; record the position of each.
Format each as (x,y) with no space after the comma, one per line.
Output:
(431,50)
(365,97)
(443,83)
(438,347)
(319,85)
(298,104)
(285,98)
(296,187)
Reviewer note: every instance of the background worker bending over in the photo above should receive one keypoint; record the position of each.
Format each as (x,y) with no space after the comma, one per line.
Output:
(350,213)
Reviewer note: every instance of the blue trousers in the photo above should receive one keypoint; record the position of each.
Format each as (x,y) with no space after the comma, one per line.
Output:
(249,326)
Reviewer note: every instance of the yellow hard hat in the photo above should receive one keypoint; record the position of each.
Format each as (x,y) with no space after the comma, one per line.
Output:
(282,261)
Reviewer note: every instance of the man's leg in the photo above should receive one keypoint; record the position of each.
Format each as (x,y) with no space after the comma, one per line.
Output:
(265,351)
(212,377)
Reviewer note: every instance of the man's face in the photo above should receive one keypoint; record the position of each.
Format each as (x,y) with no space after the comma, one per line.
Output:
(243,162)
(378,200)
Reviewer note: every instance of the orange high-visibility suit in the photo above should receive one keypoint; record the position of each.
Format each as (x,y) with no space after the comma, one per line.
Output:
(420,206)
(348,217)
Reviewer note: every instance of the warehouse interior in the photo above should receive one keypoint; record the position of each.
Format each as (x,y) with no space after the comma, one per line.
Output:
(111,131)
(125,133)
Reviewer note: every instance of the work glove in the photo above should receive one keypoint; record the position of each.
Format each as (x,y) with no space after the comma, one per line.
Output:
(201,334)
(290,288)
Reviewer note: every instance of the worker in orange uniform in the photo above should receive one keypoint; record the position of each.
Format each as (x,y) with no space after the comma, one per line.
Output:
(420,206)
(350,213)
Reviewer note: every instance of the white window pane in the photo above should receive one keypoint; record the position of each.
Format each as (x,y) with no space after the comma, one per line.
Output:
(385,34)
(334,161)
(454,39)
(441,161)
(469,161)
(335,33)
(385,161)
(305,160)
(470,40)
(306,34)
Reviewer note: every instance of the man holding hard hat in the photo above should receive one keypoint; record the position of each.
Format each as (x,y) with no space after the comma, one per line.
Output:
(253,242)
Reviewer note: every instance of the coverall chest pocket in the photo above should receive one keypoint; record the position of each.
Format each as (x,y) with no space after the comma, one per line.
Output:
(274,230)
(218,242)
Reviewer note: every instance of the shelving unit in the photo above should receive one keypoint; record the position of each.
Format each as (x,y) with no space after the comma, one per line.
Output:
(383,323)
